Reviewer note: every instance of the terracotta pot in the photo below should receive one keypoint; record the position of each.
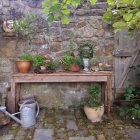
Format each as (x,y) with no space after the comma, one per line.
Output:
(23,66)
(74,68)
(94,114)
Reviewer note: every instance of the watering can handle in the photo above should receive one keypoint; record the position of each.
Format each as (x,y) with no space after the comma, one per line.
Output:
(37,109)
(27,102)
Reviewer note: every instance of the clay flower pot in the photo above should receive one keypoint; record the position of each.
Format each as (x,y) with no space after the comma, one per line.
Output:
(94,114)
(74,68)
(23,66)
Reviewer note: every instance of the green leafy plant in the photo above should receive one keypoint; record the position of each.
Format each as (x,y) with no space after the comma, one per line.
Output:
(129,93)
(136,111)
(46,60)
(94,100)
(26,57)
(123,14)
(25,26)
(60,9)
(66,60)
(86,50)
(130,112)
(131,107)
(77,61)
(125,112)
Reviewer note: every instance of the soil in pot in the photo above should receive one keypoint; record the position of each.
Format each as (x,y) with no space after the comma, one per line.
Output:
(43,71)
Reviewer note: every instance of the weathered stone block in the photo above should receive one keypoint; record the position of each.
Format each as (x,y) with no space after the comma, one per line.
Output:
(40,40)
(4,62)
(85,32)
(99,33)
(81,24)
(69,26)
(8,52)
(101,137)
(95,23)
(96,12)
(98,52)
(55,46)
(42,134)
(5,3)
(54,31)
(71,125)
(81,12)
(67,34)
(56,38)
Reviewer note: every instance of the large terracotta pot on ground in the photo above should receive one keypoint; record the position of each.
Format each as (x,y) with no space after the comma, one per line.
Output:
(23,66)
(94,114)
(74,68)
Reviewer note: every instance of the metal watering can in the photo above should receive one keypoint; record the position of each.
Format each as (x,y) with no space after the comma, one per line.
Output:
(27,112)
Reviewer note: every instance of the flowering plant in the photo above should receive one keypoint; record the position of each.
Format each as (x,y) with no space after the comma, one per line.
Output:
(47,60)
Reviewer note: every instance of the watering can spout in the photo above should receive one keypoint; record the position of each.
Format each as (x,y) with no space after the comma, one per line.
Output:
(3,109)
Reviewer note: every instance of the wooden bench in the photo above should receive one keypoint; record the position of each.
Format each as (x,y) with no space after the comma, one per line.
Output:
(105,78)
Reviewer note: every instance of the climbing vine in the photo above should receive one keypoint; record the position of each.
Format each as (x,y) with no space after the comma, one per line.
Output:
(120,13)
(123,14)
(60,9)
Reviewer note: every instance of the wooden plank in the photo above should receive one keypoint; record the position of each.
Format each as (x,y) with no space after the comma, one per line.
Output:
(64,74)
(127,69)
(60,78)
(12,97)
(126,47)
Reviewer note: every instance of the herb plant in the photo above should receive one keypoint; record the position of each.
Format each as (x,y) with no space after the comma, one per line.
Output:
(77,61)
(67,60)
(26,57)
(25,26)
(94,100)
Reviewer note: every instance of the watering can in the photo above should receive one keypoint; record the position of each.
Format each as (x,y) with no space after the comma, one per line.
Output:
(27,113)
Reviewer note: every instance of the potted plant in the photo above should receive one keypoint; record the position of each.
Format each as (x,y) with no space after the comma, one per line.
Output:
(76,64)
(71,63)
(66,61)
(44,63)
(24,28)
(94,108)
(24,63)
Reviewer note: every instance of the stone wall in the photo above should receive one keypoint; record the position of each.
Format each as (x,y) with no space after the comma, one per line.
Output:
(85,26)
